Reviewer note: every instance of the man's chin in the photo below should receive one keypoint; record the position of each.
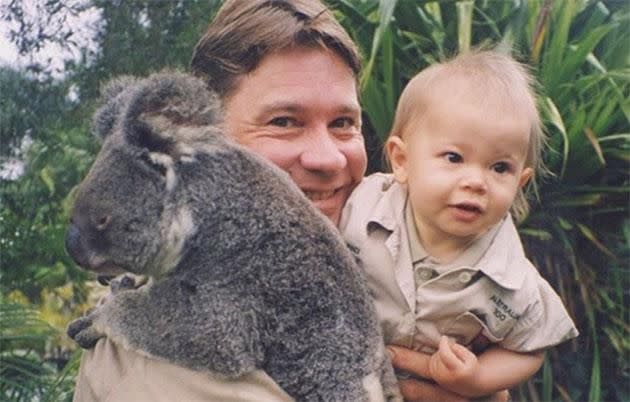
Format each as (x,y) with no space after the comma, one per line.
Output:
(329,210)
(332,207)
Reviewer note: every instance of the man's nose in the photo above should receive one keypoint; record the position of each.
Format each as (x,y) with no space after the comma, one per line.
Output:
(322,152)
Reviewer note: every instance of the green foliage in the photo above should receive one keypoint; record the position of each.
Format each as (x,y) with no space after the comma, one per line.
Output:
(26,375)
(142,36)
(19,111)
(52,115)
(577,232)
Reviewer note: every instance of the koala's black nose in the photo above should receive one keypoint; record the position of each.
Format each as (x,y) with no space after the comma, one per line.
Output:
(73,245)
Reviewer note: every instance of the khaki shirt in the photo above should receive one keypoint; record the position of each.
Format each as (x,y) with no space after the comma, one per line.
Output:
(110,373)
(500,295)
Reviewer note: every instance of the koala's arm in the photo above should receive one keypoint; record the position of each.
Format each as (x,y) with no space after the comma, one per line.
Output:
(201,331)
(118,284)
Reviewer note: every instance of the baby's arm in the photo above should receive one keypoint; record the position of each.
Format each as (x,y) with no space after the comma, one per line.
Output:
(457,369)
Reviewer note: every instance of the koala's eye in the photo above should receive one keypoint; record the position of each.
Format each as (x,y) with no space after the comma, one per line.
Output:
(153,162)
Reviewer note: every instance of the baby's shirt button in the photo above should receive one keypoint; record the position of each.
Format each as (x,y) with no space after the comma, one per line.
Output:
(465,277)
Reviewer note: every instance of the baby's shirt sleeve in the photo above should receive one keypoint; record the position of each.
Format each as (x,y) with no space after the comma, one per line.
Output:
(544,324)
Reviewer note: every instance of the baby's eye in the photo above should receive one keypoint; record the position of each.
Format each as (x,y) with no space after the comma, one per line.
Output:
(283,121)
(501,167)
(453,157)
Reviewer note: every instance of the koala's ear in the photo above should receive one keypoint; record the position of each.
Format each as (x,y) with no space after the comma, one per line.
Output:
(113,97)
(171,113)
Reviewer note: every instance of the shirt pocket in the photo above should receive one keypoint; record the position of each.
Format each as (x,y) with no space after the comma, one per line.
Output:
(466,327)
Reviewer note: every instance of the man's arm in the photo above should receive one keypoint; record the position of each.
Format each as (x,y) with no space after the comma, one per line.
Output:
(414,390)
(457,369)
(110,372)
(417,363)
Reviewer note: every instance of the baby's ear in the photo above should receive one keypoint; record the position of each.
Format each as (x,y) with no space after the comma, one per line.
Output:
(526,176)
(396,150)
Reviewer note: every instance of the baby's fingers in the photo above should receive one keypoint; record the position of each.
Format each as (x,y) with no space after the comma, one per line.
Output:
(448,357)
(465,356)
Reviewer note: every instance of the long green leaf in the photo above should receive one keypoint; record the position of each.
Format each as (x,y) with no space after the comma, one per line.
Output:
(562,17)
(464,24)
(588,233)
(374,106)
(554,117)
(576,56)
(386,11)
(547,380)
(390,80)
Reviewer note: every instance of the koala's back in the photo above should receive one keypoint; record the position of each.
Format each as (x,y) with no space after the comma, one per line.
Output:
(276,278)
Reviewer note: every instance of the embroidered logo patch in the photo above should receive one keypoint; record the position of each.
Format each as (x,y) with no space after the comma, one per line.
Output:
(502,310)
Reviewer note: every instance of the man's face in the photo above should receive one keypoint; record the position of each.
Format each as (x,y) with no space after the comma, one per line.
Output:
(299,109)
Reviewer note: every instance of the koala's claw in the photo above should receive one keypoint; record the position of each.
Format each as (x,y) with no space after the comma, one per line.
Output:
(78,325)
(104,279)
(83,333)
(123,283)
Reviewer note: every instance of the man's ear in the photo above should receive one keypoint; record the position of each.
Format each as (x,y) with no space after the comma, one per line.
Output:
(526,175)
(397,154)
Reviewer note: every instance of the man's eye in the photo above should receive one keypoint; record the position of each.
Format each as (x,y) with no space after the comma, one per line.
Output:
(501,167)
(343,122)
(283,122)
(453,157)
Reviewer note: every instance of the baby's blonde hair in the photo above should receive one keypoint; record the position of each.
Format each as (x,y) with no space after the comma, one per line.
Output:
(504,83)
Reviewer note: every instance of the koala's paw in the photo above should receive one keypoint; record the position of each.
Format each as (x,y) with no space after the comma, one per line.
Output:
(123,283)
(83,333)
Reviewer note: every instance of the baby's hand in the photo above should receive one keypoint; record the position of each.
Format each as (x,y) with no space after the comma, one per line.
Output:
(453,364)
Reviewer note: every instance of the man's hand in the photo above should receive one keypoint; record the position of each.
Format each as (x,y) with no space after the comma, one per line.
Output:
(417,363)
(453,365)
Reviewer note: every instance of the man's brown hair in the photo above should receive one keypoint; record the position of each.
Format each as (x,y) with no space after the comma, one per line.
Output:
(245,31)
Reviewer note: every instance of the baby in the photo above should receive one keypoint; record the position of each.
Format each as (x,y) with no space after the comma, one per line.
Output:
(436,237)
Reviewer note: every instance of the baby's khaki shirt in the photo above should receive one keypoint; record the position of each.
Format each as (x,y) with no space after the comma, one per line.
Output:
(491,290)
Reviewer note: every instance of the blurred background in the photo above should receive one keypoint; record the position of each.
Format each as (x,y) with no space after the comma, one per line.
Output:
(55,54)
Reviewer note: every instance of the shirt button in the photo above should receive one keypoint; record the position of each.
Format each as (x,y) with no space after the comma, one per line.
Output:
(465,277)
(425,274)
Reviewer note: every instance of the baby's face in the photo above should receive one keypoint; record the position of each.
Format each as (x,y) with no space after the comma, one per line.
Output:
(463,168)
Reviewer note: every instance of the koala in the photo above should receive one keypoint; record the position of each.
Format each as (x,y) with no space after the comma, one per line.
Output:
(244,273)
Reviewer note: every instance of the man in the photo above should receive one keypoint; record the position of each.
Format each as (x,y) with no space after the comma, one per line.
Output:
(287,73)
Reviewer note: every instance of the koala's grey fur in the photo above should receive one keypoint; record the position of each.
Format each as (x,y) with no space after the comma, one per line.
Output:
(245,273)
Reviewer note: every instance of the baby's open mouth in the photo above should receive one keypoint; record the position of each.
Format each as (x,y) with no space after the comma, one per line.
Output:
(469,207)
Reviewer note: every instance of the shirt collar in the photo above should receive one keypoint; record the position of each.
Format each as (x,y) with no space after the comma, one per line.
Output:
(498,253)
(388,212)
(416,250)
(475,251)
(468,258)
(504,260)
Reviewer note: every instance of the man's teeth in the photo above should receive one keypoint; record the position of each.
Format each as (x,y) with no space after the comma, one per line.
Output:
(319,195)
